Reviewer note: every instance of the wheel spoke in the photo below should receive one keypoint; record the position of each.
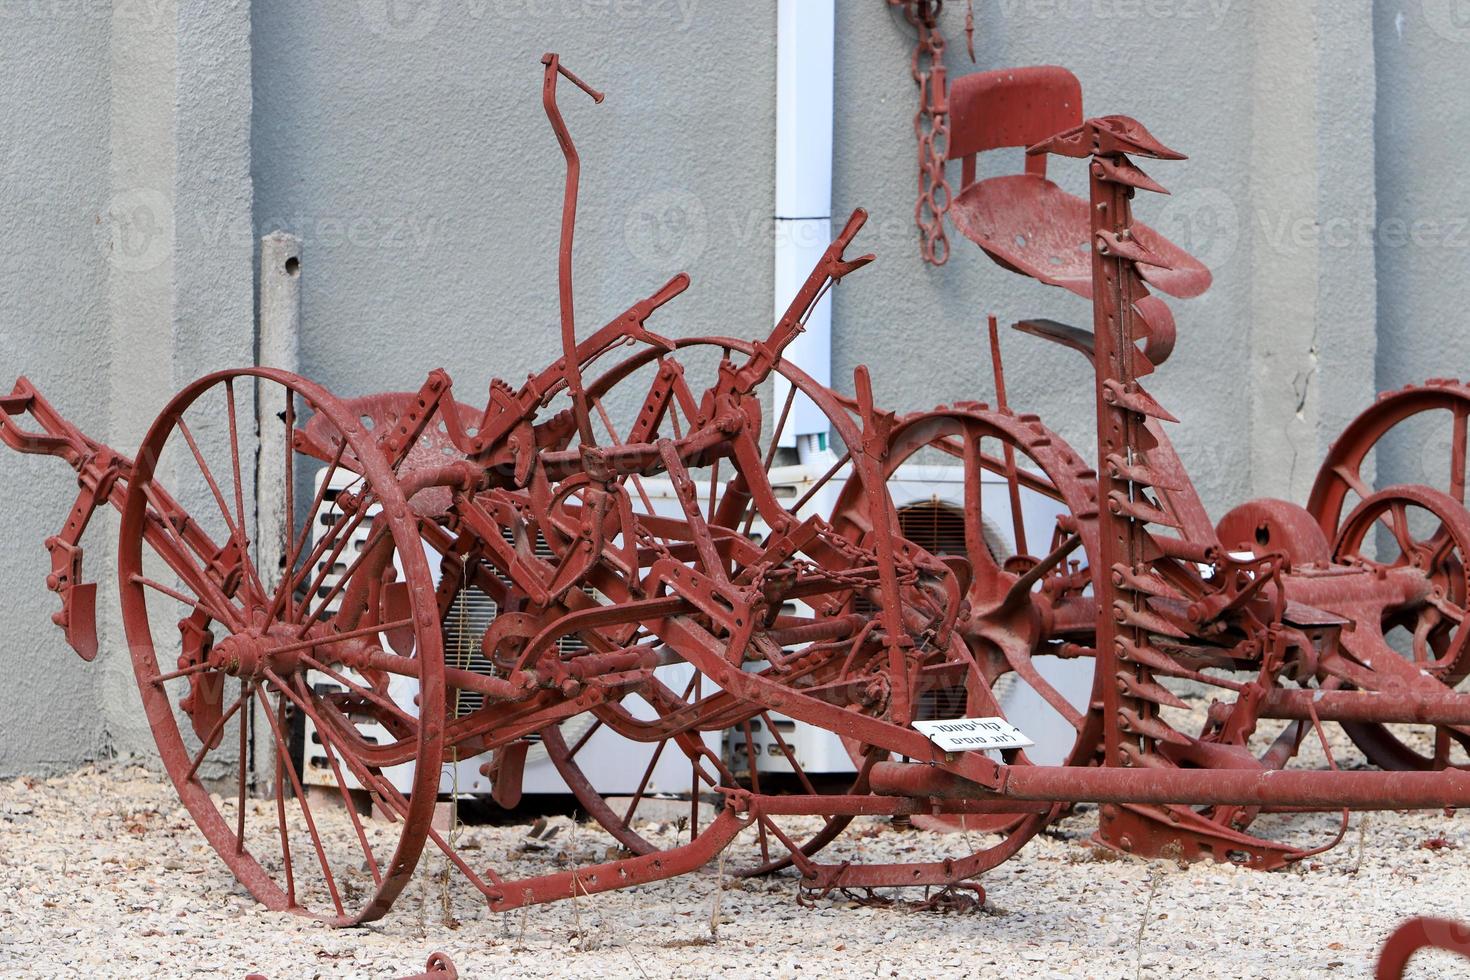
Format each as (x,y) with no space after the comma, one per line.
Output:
(244,541)
(275,716)
(1449,609)
(181,672)
(316,641)
(248,694)
(302,699)
(177,596)
(751,760)
(296,787)
(1400,528)
(698,770)
(289,577)
(366,693)
(209,479)
(586,736)
(187,556)
(214,733)
(643,784)
(290,488)
(1457,453)
(812,491)
(806,783)
(375,538)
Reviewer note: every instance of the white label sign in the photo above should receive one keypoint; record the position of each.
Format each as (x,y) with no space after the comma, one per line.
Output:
(973,734)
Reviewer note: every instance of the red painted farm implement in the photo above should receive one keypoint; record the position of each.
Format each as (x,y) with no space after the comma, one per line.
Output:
(670,626)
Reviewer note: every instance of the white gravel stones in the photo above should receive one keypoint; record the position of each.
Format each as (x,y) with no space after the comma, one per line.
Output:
(103,874)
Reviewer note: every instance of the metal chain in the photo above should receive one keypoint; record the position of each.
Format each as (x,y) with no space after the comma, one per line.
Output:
(931,125)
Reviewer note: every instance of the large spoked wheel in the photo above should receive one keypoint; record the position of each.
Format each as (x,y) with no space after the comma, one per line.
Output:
(1425,533)
(1019,484)
(221,645)
(689,738)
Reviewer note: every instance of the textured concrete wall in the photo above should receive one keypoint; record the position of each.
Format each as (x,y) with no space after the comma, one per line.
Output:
(406,145)
(1423,240)
(54,71)
(128,257)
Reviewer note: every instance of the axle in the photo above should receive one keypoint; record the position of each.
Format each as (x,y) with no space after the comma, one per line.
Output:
(1197,787)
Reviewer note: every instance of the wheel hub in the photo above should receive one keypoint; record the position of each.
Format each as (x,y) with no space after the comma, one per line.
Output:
(253,653)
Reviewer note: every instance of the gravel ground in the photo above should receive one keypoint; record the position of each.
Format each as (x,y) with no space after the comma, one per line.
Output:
(102,874)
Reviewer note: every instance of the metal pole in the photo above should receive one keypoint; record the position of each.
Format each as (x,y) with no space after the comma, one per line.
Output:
(278,346)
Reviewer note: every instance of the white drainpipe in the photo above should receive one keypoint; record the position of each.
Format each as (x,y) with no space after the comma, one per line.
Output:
(804,30)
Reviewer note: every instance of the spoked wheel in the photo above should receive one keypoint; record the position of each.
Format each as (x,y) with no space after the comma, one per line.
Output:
(237,639)
(1416,435)
(1019,485)
(669,742)
(1425,533)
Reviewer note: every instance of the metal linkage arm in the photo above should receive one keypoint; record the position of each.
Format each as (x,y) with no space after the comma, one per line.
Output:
(100,474)
(829,270)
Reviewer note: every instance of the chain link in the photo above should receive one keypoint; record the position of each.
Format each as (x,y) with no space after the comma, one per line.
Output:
(931,126)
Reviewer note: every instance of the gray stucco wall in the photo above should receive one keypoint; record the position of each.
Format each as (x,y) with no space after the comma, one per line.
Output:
(127,262)
(413,158)
(54,71)
(149,145)
(1423,241)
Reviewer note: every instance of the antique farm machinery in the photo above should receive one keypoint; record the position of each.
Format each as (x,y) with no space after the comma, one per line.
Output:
(663,627)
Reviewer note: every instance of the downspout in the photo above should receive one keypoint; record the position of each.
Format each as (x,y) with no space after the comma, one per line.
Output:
(803,225)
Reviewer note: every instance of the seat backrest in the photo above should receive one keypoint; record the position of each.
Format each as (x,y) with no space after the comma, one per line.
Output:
(990,110)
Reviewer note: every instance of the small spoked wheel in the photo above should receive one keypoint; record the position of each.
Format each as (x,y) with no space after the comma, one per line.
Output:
(221,645)
(1423,536)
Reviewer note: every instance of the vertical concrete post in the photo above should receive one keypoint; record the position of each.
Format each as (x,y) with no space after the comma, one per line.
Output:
(1313,324)
(180,293)
(277,346)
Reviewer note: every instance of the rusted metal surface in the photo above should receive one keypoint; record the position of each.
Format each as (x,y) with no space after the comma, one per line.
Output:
(1416,934)
(662,626)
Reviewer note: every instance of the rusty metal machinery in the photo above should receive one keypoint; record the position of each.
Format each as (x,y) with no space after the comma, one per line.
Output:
(663,628)
(1419,933)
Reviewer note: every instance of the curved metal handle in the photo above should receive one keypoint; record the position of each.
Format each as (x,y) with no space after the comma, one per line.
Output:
(570,367)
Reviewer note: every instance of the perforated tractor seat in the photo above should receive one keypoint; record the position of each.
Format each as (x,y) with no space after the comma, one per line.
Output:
(1024,221)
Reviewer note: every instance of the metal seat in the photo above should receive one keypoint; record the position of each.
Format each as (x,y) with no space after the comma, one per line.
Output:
(1025,222)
